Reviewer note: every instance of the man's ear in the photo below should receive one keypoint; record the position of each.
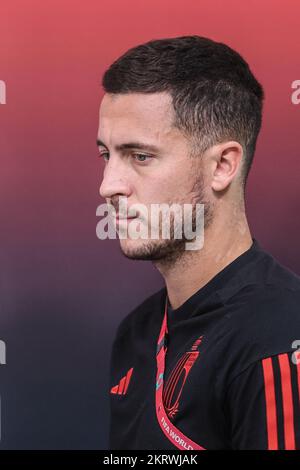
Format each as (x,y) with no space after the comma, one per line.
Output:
(225,162)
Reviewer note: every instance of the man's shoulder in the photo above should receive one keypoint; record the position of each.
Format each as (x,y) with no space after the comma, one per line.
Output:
(263,321)
(263,271)
(270,306)
(265,287)
(142,314)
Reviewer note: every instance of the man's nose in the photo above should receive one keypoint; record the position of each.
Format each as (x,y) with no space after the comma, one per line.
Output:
(115,180)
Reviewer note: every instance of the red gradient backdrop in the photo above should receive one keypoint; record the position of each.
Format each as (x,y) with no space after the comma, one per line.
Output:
(63,291)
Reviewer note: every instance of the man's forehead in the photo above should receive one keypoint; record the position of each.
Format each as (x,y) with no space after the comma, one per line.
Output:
(142,110)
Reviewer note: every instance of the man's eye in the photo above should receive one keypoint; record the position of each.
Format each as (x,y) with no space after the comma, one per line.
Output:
(104,155)
(141,157)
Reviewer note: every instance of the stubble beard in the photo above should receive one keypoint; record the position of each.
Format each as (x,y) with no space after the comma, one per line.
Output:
(167,252)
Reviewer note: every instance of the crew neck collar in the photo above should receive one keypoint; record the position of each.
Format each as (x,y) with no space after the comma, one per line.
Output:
(207,296)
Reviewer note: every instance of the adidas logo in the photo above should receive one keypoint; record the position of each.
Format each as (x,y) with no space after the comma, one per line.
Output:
(122,386)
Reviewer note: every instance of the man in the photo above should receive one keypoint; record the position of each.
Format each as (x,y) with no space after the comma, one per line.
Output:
(210,361)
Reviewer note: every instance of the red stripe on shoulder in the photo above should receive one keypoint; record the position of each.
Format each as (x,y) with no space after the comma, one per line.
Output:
(287,400)
(271,417)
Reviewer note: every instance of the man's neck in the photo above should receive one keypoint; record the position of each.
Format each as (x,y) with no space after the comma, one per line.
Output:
(196,268)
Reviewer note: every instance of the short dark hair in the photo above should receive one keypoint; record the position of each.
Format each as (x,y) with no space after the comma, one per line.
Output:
(215,95)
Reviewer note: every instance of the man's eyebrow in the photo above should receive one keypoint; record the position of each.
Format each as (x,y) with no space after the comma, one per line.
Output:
(131,145)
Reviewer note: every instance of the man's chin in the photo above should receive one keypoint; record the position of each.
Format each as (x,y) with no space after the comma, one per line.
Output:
(150,250)
(137,249)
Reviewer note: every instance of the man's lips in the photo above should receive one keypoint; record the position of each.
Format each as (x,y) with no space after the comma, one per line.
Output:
(120,218)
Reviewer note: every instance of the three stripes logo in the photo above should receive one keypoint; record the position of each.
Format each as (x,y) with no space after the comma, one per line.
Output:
(121,388)
(282,396)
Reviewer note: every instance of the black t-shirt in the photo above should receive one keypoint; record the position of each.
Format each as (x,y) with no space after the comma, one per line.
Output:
(242,390)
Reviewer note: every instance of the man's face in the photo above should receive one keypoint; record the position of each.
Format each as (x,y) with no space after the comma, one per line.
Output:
(147,160)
